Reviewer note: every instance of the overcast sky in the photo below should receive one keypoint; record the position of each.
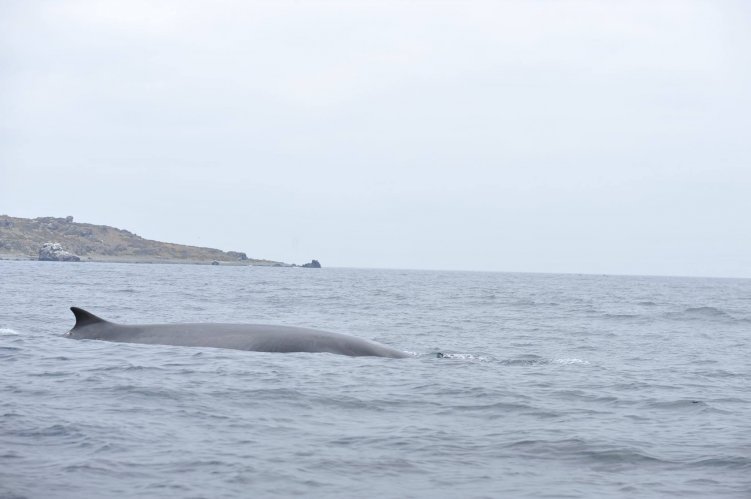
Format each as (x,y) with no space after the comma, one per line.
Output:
(543,136)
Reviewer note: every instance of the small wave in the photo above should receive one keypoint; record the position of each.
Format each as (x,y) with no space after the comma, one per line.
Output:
(706,311)
(526,360)
(731,462)
(57,430)
(647,303)
(535,445)
(621,455)
(463,356)
(524,303)
(571,361)
(533,360)
(678,404)
(621,316)
(141,391)
(702,481)
(493,408)
(575,449)
(4,331)
(717,373)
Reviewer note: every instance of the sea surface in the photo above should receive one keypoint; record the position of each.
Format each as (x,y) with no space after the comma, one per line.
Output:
(518,385)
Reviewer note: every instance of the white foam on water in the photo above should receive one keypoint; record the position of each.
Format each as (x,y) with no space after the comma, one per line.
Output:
(4,331)
(465,356)
(411,353)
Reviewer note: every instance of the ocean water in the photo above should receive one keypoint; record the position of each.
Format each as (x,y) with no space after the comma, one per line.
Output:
(547,386)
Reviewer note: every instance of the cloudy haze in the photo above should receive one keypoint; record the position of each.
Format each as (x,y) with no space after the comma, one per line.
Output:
(544,136)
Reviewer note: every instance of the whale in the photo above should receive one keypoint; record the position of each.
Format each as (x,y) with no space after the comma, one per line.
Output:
(251,337)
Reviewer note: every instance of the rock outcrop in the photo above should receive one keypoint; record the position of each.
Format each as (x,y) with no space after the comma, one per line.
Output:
(315,264)
(21,238)
(54,252)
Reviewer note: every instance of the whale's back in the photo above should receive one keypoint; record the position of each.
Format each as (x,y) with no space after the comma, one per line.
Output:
(252,337)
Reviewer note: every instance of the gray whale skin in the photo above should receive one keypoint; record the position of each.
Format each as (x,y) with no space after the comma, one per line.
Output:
(254,337)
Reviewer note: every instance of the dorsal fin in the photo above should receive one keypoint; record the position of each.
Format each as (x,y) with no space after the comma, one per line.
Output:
(84,318)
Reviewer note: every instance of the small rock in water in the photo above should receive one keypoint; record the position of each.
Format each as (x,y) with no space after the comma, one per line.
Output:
(315,264)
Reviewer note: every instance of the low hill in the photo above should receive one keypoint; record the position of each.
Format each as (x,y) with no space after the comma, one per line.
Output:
(21,238)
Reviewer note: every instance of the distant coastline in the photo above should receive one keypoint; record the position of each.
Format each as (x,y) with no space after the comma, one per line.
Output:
(22,239)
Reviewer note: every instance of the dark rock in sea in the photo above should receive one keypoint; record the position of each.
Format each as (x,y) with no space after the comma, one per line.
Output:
(315,264)
(54,252)
(215,262)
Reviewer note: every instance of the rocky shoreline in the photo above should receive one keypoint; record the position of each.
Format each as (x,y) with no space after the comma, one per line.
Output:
(62,239)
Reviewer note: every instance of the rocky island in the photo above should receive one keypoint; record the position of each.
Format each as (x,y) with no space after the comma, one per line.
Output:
(62,239)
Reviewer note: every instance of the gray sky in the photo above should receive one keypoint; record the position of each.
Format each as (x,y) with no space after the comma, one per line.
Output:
(544,136)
